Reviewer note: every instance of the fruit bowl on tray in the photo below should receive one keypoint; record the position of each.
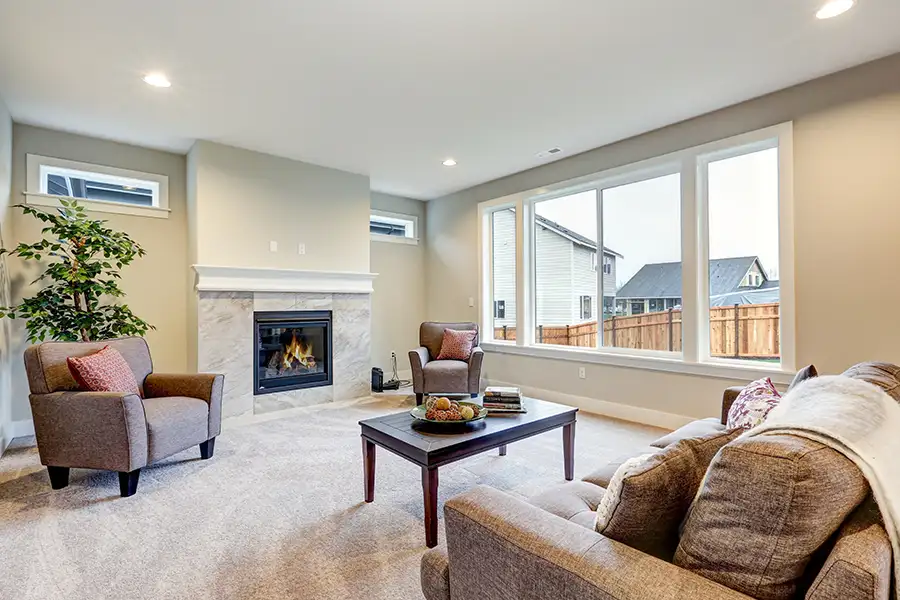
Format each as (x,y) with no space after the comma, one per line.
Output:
(443,410)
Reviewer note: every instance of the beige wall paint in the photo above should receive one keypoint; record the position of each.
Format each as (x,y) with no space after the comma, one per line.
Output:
(6,237)
(398,304)
(847,152)
(243,200)
(156,285)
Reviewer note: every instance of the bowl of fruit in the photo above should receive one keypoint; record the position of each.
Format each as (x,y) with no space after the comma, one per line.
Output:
(440,409)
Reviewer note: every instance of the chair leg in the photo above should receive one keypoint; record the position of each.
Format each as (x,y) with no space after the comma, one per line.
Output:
(419,399)
(207,448)
(59,477)
(128,482)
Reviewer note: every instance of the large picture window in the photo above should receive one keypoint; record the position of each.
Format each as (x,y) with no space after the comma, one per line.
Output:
(681,257)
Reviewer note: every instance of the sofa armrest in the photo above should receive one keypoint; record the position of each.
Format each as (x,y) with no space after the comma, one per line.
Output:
(205,386)
(728,399)
(418,358)
(475,360)
(503,548)
(434,574)
(92,430)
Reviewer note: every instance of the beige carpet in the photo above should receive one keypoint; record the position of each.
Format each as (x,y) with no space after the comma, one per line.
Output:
(277,513)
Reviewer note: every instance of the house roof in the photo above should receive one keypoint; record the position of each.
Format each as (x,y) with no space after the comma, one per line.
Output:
(571,235)
(663,280)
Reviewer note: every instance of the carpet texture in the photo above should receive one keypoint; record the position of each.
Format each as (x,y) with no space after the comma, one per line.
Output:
(278,512)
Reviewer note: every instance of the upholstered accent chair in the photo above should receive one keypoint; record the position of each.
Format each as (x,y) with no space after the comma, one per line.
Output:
(117,431)
(431,376)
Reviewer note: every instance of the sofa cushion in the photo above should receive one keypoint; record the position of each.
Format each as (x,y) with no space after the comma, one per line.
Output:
(691,430)
(859,565)
(174,423)
(446,376)
(575,501)
(604,474)
(767,504)
(884,375)
(648,497)
(103,371)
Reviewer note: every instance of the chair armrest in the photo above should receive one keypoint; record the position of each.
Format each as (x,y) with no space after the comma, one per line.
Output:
(475,360)
(418,358)
(533,554)
(205,386)
(434,574)
(728,399)
(92,430)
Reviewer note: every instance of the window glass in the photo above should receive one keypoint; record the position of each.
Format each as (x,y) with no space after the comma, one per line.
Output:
(744,291)
(503,270)
(100,187)
(642,233)
(565,270)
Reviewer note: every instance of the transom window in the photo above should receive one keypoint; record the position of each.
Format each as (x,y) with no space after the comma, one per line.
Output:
(692,246)
(393,227)
(99,188)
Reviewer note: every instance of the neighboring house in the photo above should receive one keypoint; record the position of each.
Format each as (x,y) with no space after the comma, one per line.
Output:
(657,287)
(566,273)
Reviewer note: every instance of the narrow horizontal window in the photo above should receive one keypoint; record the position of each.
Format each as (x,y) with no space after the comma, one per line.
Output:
(393,227)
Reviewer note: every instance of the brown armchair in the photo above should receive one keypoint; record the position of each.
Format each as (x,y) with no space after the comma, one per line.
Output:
(117,431)
(432,376)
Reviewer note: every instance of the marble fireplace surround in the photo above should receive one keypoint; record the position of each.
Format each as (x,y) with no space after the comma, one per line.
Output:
(226,300)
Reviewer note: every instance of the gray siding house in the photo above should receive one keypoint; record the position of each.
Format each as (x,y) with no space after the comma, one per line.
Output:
(566,270)
(657,287)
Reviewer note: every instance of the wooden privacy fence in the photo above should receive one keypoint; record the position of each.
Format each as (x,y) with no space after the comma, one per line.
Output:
(739,331)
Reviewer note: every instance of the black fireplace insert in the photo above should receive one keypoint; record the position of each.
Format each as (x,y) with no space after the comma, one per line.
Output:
(293,350)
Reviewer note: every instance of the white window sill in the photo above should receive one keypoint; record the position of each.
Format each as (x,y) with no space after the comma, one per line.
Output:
(394,239)
(720,370)
(37,199)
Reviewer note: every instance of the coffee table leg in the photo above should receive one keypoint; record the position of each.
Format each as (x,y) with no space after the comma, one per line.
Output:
(430,492)
(369,469)
(503,450)
(569,450)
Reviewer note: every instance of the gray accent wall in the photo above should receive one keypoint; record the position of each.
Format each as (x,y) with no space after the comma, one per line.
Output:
(846,149)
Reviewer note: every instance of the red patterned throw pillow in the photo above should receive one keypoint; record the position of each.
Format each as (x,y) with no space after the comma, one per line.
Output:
(457,345)
(104,371)
(753,404)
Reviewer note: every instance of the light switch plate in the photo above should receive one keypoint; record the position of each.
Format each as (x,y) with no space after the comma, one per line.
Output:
(471,301)
(301,249)
(273,246)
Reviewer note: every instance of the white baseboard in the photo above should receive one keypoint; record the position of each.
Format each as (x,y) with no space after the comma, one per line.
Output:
(626,412)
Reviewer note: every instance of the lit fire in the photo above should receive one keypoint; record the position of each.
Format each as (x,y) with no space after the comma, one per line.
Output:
(300,352)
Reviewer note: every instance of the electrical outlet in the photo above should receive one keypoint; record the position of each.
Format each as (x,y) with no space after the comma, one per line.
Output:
(301,249)
(581,373)
(273,246)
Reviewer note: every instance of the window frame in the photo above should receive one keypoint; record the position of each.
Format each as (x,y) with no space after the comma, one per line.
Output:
(690,163)
(395,218)
(38,167)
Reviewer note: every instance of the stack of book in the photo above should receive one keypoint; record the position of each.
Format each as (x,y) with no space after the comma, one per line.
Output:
(503,400)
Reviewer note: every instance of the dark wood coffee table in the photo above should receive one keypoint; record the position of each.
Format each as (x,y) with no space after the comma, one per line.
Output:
(432,446)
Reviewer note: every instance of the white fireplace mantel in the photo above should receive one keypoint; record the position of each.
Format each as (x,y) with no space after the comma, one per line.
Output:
(213,278)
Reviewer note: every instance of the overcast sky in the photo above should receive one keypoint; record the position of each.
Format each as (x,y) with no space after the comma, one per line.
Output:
(642,221)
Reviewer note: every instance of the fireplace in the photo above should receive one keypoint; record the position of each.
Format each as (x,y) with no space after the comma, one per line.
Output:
(293,350)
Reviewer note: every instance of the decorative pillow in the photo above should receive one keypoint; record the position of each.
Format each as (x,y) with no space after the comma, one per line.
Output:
(884,375)
(103,371)
(457,345)
(807,372)
(753,404)
(768,503)
(648,497)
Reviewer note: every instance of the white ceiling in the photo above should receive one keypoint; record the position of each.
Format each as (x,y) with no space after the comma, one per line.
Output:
(390,88)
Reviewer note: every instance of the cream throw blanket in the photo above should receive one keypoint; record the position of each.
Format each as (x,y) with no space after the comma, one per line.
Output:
(857,419)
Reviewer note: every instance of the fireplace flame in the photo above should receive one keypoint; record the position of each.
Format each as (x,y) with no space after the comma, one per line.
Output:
(299,351)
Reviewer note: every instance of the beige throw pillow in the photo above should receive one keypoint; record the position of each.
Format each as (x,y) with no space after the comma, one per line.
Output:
(649,495)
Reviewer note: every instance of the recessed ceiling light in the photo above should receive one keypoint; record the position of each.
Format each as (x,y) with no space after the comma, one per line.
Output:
(834,8)
(449,163)
(157,80)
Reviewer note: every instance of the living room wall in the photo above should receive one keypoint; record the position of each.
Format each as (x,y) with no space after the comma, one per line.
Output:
(5,237)
(398,304)
(155,286)
(242,200)
(846,157)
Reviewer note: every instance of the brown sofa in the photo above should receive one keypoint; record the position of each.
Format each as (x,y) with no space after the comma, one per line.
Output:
(499,547)
(117,431)
(432,376)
